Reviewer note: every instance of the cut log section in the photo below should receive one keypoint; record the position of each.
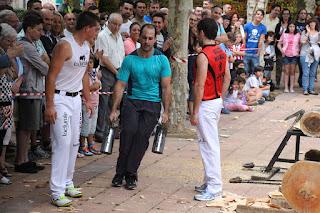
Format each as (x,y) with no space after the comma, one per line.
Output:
(310,122)
(300,186)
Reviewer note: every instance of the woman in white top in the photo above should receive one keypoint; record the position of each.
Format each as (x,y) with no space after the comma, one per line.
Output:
(235,23)
(309,55)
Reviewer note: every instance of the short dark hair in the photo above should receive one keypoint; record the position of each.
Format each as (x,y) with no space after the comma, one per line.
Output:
(240,71)
(31,2)
(6,7)
(258,69)
(217,5)
(149,26)
(93,8)
(136,3)
(225,17)
(231,36)
(126,1)
(274,6)
(295,27)
(209,28)
(161,15)
(31,19)
(86,18)
(240,80)
(237,62)
(261,10)
(195,43)
(154,2)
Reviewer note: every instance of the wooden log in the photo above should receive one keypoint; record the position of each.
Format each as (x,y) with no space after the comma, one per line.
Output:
(300,186)
(310,122)
(253,209)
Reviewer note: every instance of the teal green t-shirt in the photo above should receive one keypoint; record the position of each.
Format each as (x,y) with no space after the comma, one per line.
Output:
(143,75)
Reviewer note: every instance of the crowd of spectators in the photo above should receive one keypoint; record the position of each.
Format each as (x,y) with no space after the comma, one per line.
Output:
(26,49)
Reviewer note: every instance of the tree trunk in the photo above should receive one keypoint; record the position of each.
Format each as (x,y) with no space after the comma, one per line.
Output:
(309,123)
(253,6)
(178,29)
(310,6)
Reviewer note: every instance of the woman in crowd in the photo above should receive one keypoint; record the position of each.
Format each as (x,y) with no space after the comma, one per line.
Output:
(57,26)
(8,38)
(281,27)
(131,43)
(309,55)
(235,23)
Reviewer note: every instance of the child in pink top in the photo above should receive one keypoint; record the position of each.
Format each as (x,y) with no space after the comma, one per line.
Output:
(89,124)
(290,51)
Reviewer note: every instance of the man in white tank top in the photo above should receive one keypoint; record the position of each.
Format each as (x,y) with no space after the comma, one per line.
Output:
(67,76)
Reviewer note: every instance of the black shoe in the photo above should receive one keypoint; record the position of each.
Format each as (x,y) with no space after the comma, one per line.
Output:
(117,180)
(270,98)
(25,168)
(131,182)
(34,165)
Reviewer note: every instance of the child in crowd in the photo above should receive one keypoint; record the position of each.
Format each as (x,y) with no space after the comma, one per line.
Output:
(225,47)
(231,101)
(191,62)
(246,98)
(89,124)
(238,49)
(254,83)
(269,53)
(290,51)
(238,64)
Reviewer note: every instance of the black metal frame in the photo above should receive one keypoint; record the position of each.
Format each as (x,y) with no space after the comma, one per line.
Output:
(298,133)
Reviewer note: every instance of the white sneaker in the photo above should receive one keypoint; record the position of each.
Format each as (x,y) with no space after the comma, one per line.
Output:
(206,196)
(5,180)
(73,192)
(201,188)
(61,201)
(292,91)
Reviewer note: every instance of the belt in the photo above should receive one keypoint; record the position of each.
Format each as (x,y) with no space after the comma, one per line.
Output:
(72,94)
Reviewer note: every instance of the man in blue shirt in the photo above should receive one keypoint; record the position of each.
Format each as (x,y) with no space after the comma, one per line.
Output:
(254,36)
(146,71)
(154,7)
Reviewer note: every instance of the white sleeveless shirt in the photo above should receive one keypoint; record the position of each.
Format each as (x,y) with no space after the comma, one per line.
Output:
(72,71)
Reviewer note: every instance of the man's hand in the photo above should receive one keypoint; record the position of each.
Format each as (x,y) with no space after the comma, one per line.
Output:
(125,34)
(89,107)
(15,89)
(113,116)
(165,117)
(97,55)
(194,119)
(15,50)
(50,115)
(167,44)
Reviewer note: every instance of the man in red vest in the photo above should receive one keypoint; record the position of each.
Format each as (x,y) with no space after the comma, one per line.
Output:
(212,79)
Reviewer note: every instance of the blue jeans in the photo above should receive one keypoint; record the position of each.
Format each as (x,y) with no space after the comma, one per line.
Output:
(251,60)
(309,73)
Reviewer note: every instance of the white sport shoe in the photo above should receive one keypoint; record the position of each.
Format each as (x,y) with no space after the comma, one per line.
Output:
(201,188)
(61,201)
(206,196)
(73,192)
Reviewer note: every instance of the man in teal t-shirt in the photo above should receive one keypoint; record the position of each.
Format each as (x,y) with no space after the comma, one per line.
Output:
(147,73)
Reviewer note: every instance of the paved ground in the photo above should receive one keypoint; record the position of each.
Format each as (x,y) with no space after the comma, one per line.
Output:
(166,182)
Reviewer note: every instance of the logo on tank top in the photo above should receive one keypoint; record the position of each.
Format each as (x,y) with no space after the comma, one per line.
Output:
(82,62)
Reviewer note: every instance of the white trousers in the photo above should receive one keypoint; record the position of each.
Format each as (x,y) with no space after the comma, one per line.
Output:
(65,135)
(207,131)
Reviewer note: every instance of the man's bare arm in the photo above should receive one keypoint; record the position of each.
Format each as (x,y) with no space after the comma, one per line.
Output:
(116,98)
(166,97)
(226,81)
(108,64)
(201,76)
(222,38)
(245,39)
(262,36)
